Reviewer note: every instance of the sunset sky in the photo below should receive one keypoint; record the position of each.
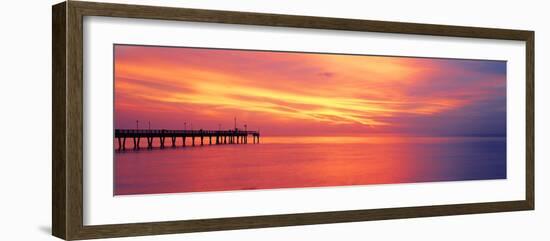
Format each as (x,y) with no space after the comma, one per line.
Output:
(283,93)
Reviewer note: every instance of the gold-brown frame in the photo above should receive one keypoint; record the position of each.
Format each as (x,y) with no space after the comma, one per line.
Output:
(67,123)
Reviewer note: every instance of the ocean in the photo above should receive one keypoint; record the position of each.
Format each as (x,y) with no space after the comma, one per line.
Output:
(299,162)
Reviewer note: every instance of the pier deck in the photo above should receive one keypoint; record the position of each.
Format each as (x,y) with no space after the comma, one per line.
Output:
(235,136)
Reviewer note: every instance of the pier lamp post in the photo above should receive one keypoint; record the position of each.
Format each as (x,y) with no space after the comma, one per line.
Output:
(137,124)
(245,135)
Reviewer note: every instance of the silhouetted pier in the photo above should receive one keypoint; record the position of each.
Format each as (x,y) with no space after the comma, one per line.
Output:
(197,137)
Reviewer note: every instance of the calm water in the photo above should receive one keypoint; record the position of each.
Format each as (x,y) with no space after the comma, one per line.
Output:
(286,162)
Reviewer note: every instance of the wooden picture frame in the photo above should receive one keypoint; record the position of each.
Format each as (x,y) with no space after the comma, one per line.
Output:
(67,124)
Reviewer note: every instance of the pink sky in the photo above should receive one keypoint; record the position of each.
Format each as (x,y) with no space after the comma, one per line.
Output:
(282,93)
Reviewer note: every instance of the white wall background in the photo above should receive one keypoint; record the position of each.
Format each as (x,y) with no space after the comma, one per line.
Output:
(25,120)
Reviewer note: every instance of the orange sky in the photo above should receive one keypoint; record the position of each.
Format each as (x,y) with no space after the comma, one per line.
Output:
(284,93)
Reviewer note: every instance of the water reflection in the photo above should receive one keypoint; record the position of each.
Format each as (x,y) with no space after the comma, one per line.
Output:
(290,162)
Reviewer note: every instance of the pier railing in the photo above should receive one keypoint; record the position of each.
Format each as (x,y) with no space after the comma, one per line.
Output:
(122,132)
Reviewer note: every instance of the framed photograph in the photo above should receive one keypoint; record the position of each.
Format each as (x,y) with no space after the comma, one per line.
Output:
(171,120)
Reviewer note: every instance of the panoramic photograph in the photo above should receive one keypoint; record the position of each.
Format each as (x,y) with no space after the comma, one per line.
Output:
(190,119)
